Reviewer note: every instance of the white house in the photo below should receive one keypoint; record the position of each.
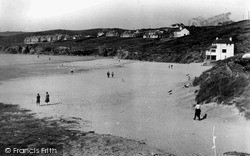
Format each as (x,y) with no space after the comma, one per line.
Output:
(127,34)
(153,34)
(181,32)
(220,49)
(100,34)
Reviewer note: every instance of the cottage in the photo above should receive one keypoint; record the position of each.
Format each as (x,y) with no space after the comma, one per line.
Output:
(181,32)
(127,34)
(43,39)
(220,49)
(112,33)
(32,39)
(100,34)
(153,34)
(137,33)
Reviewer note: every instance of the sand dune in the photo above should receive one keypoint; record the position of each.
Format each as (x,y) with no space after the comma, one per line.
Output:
(144,101)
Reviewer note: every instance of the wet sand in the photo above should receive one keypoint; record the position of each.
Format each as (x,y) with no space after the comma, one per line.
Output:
(135,104)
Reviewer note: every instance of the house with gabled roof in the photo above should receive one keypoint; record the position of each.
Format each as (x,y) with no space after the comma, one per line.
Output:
(127,34)
(112,33)
(100,34)
(153,34)
(181,32)
(220,49)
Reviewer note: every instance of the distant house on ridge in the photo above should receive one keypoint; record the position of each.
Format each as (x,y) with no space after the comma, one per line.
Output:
(153,34)
(127,34)
(112,33)
(181,32)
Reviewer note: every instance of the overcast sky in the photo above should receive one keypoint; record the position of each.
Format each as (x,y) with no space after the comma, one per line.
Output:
(38,15)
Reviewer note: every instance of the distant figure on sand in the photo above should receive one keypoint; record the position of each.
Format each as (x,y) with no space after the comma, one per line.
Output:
(37,56)
(38,99)
(112,74)
(47,98)
(197,111)
(108,73)
(171,66)
(71,70)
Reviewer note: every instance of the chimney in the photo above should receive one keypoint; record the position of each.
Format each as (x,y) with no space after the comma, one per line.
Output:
(217,38)
(230,38)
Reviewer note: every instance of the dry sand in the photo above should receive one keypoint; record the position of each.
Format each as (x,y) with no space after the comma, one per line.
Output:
(135,104)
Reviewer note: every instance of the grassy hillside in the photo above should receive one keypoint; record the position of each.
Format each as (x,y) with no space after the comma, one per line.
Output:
(226,83)
(186,49)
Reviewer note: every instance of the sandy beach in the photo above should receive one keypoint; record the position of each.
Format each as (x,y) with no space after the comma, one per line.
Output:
(135,104)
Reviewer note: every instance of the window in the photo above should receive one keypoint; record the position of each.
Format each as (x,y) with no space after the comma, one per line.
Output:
(213,50)
(213,57)
(208,57)
(224,50)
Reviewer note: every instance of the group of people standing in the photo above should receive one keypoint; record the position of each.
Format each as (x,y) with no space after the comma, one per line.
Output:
(171,66)
(46,99)
(112,74)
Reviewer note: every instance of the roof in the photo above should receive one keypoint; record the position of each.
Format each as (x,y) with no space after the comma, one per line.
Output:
(247,55)
(223,41)
(179,30)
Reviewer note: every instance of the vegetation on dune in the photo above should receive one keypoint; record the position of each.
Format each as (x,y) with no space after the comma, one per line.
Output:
(224,82)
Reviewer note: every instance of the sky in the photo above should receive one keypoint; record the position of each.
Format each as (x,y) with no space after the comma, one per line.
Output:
(39,15)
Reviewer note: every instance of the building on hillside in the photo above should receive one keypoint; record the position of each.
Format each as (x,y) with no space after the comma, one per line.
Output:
(112,33)
(220,49)
(32,39)
(181,32)
(137,33)
(126,34)
(100,34)
(153,34)
(49,38)
(45,38)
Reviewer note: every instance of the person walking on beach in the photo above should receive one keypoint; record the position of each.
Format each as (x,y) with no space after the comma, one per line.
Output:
(47,98)
(171,66)
(112,74)
(71,70)
(108,73)
(197,111)
(38,99)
